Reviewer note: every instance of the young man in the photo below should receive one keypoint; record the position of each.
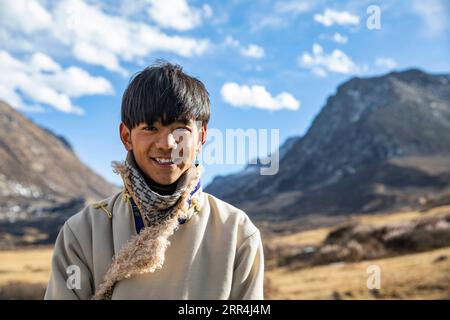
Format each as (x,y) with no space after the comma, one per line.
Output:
(162,237)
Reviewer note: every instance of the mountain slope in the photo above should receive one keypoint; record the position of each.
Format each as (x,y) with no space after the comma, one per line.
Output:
(38,168)
(364,140)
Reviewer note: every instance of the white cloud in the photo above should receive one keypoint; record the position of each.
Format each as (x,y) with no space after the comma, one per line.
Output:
(230,41)
(435,15)
(339,38)
(387,63)
(331,17)
(92,54)
(207,11)
(8,95)
(335,37)
(250,51)
(76,82)
(176,14)
(27,16)
(320,62)
(42,62)
(98,37)
(92,42)
(253,51)
(257,96)
(42,80)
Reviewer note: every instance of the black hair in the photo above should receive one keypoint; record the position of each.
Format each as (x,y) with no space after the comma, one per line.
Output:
(163,92)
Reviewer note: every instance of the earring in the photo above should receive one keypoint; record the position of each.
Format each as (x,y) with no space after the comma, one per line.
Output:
(196,161)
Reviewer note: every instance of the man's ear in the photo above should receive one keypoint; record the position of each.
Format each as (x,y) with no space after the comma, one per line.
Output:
(125,136)
(203,130)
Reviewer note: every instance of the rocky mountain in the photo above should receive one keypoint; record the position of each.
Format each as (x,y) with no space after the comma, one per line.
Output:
(226,185)
(39,172)
(378,144)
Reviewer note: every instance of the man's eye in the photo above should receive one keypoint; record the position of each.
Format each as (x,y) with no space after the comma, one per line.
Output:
(150,128)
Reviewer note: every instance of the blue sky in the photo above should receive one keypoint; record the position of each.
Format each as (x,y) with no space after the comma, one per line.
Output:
(266,64)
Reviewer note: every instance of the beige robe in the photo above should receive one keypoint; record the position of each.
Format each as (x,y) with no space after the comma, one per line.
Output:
(218,254)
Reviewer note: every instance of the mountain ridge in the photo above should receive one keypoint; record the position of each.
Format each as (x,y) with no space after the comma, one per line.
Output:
(366,123)
(39,166)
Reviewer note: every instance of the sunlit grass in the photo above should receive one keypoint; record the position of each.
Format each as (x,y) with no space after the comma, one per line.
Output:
(25,265)
(414,276)
(423,275)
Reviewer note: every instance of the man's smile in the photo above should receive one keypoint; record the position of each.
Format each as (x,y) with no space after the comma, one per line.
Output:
(165,163)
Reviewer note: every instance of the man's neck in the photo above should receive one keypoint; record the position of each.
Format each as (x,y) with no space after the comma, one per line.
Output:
(162,189)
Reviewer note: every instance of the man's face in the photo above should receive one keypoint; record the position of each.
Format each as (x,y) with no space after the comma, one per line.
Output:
(157,148)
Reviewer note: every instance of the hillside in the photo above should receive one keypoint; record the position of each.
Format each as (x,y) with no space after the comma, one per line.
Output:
(379,144)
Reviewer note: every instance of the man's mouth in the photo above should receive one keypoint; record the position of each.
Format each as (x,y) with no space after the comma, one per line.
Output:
(163,161)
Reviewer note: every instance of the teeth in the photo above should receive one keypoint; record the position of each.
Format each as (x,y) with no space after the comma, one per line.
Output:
(162,160)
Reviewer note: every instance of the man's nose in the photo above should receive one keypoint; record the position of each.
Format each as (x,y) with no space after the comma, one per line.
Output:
(166,141)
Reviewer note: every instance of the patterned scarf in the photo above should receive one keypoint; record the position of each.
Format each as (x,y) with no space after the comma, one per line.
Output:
(153,206)
(162,215)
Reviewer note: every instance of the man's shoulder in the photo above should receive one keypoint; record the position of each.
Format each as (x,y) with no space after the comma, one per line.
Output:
(99,212)
(228,214)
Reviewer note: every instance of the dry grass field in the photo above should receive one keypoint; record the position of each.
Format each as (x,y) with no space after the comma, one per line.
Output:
(24,273)
(316,236)
(25,265)
(416,276)
(425,275)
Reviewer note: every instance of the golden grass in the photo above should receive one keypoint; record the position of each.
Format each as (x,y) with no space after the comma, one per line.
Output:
(378,219)
(317,236)
(25,265)
(310,237)
(414,276)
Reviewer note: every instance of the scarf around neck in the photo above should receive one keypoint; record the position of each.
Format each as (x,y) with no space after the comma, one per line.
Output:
(161,214)
(154,207)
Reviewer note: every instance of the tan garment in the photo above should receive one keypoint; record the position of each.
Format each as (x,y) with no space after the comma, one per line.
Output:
(218,254)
